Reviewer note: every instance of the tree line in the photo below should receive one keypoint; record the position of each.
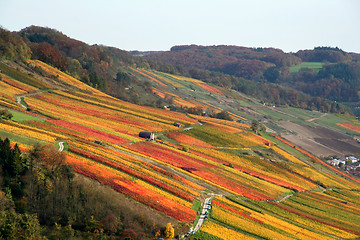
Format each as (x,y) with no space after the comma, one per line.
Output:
(265,73)
(260,72)
(42,198)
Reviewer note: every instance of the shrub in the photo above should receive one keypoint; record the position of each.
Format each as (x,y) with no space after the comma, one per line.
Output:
(185,148)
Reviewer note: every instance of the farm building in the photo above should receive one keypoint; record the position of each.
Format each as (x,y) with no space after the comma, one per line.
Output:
(336,162)
(147,134)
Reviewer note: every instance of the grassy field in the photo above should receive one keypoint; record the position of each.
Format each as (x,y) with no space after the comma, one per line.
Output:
(312,65)
(20,117)
(331,120)
(21,139)
(301,113)
(196,205)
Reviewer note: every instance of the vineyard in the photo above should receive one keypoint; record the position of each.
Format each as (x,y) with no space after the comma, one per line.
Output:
(194,157)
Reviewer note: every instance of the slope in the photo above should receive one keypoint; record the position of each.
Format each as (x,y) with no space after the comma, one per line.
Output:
(197,156)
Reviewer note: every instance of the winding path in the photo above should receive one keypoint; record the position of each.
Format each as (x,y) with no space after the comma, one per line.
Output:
(61,146)
(18,100)
(18,97)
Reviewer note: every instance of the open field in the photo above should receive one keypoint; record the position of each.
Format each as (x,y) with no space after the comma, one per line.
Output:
(20,116)
(312,65)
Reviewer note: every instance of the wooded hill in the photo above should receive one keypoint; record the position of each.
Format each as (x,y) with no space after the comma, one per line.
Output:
(103,181)
(264,73)
(337,77)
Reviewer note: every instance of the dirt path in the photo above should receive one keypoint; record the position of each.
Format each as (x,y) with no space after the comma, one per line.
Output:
(284,198)
(312,119)
(18,97)
(18,100)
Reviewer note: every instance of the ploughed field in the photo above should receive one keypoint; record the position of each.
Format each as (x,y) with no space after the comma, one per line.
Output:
(320,141)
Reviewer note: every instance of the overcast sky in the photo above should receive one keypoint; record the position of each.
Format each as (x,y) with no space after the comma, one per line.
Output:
(290,25)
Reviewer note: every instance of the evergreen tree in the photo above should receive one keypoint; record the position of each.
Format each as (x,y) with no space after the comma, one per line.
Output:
(14,167)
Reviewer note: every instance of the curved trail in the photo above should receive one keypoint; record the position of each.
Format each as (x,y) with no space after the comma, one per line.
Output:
(61,146)
(18,100)
(18,97)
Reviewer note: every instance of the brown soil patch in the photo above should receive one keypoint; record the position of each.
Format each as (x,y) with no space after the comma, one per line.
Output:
(319,140)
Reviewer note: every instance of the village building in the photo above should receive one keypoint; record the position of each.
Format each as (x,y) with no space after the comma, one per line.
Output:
(148,135)
(353,166)
(352,159)
(336,162)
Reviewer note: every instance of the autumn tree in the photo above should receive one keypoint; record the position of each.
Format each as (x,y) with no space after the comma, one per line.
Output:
(169,231)
(49,54)
(262,128)
(254,125)
(19,226)
(6,114)
(49,185)
(223,115)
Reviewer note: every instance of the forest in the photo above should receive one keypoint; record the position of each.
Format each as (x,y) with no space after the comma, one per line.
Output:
(44,199)
(267,73)
(261,72)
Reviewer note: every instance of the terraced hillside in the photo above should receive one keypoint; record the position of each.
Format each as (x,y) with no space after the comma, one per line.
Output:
(269,188)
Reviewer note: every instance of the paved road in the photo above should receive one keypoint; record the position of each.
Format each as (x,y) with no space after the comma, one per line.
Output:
(61,146)
(202,216)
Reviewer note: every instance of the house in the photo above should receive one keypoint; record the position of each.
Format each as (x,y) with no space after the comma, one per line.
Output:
(353,159)
(331,162)
(147,134)
(335,162)
(353,166)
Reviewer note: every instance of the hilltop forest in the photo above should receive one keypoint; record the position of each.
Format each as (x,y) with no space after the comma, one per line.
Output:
(277,77)
(217,142)
(262,72)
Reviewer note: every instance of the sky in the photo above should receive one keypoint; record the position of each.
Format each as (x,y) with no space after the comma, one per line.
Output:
(153,25)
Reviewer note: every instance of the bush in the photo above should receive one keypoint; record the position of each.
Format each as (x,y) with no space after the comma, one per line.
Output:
(185,148)
(6,114)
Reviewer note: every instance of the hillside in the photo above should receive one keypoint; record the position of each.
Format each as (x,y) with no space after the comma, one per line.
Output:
(222,157)
(337,78)
(109,183)
(255,72)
